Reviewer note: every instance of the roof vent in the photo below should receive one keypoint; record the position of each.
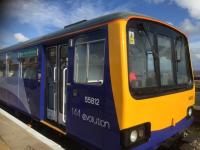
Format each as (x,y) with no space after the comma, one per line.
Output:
(76,23)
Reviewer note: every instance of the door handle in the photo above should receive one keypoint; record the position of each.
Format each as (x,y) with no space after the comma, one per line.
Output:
(54,74)
(68,84)
(64,94)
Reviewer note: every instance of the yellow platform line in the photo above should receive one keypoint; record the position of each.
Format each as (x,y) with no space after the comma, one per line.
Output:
(53,127)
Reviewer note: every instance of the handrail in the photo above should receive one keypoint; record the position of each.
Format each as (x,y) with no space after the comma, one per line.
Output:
(64,94)
(54,74)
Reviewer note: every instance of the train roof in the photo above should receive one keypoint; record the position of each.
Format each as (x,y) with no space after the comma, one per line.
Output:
(74,27)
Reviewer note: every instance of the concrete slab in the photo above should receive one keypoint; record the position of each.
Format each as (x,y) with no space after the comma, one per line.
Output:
(15,135)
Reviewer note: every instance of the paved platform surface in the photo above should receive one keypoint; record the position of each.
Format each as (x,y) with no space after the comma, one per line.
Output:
(15,135)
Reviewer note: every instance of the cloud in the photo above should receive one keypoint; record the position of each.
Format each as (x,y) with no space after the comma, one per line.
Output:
(20,37)
(2,46)
(170,23)
(45,15)
(193,7)
(195,61)
(156,1)
(195,54)
(192,29)
(198,56)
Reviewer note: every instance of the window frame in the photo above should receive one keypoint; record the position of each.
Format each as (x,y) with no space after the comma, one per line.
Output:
(4,71)
(149,92)
(88,42)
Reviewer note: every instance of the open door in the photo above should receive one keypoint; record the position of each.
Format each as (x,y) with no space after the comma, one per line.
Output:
(56,73)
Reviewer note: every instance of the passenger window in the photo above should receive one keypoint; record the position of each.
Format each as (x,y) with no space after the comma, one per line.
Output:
(89,62)
(2,65)
(29,64)
(180,47)
(165,55)
(12,64)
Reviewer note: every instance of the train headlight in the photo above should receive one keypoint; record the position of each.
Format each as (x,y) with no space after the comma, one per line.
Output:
(189,112)
(135,135)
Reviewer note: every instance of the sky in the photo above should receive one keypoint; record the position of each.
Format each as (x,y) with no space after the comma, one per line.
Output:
(21,20)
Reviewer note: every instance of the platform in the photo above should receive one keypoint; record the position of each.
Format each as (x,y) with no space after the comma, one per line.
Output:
(15,135)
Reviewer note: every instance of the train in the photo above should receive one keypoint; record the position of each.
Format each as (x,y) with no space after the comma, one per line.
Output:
(119,81)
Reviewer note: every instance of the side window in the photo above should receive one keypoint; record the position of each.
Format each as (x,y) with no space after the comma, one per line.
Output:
(29,64)
(96,62)
(89,62)
(2,65)
(12,64)
(182,73)
(80,63)
(165,57)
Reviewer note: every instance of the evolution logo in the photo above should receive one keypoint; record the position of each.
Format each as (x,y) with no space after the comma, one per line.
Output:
(90,119)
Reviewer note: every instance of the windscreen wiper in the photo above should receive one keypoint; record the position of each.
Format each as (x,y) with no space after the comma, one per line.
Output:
(141,28)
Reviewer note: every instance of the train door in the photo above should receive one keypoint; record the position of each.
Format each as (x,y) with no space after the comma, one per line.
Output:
(56,74)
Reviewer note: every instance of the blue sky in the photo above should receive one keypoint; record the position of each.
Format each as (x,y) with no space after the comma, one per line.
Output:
(25,19)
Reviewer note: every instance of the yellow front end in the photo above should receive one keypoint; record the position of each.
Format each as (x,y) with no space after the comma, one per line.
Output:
(161,111)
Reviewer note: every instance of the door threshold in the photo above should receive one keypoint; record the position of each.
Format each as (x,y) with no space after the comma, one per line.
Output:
(53,127)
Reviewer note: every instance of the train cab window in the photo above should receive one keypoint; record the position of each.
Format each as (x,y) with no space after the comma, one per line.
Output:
(165,57)
(29,64)
(89,62)
(141,59)
(2,65)
(12,64)
(180,48)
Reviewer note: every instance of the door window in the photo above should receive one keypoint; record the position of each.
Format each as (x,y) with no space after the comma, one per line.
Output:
(2,65)
(80,68)
(89,62)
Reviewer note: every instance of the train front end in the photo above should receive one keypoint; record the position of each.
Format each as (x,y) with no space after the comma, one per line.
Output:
(151,79)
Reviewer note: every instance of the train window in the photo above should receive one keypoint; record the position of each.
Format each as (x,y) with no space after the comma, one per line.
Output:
(158,59)
(165,57)
(29,64)
(180,47)
(80,69)
(141,59)
(96,62)
(12,64)
(89,62)
(2,65)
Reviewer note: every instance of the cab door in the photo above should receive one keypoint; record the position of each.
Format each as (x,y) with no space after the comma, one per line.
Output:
(87,88)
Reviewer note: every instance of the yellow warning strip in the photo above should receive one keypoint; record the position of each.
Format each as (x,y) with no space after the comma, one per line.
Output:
(53,127)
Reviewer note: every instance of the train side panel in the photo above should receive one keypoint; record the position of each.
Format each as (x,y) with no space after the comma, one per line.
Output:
(20,87)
